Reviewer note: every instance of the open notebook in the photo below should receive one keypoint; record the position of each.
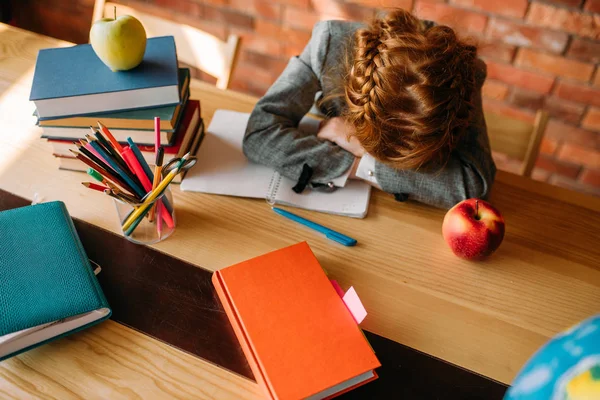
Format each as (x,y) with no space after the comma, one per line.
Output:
(223,169)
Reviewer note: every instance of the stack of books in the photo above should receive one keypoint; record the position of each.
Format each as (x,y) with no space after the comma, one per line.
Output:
(73,90)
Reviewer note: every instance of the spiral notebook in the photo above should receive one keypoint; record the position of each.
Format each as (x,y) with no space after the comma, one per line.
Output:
(223,169)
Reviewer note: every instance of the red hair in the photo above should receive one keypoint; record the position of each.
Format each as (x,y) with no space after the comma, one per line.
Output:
(408,90)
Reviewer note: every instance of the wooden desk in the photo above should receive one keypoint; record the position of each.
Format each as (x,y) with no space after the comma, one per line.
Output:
(488,317)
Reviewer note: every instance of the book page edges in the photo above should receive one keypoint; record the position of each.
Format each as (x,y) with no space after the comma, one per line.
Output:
(241,335)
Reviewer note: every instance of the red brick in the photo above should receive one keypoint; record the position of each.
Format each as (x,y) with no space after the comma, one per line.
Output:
(579,155)
(564,110)
(185,7)
(505,163)
(579,93)
(573,185)
(405,4)
(265,9)
(592,119)
(494,90)
(584,50)
(292,35)
(273,64)
(259,77)
(557,167)
(296,3)
(548,146)
(596,81)
(248,87)
(215,29)
(590,177)
(298,18)
(333,9)
(451,16)
(526,99)
(265,44)
(592,6)
(496,51)
(527,36)
(539,174)
(563,19)
(234,18)
(554,65)
(569,3)
(559,131)
(213,2)
(561,109)
(501,108)
(518,77)
(510,8)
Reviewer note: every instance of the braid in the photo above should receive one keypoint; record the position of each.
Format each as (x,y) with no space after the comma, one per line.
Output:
(409,90)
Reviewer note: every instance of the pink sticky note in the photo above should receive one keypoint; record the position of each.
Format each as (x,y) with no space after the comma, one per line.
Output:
(354,305)
(337,287)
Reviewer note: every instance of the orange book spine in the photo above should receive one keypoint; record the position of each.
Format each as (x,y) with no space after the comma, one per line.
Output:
(241,335)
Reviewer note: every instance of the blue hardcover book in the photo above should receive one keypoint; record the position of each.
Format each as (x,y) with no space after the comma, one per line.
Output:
(73,81)
(140,119)
(47,286)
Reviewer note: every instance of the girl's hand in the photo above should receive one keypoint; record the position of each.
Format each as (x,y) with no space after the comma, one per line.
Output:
(337,131)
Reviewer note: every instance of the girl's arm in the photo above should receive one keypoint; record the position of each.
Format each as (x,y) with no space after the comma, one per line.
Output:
(272,136)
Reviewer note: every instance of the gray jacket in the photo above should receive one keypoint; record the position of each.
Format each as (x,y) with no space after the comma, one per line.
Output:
(272,137)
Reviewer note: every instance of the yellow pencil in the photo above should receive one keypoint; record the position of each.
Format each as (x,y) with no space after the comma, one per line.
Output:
(154,194)
(157,176)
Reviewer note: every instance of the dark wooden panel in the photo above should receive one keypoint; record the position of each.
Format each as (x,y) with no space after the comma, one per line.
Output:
(174,301)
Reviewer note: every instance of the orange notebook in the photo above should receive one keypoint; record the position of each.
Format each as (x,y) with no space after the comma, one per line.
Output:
(296,332)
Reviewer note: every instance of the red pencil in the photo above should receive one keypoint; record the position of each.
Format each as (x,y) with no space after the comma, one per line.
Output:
(110,137)
(94,186)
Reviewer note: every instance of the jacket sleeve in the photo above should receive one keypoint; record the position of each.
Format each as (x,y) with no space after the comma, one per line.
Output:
(469,173)
(272,137)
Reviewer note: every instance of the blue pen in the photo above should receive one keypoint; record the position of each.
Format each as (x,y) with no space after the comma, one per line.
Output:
(329,233)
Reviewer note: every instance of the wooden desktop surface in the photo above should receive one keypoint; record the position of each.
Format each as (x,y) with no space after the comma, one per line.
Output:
(488,317)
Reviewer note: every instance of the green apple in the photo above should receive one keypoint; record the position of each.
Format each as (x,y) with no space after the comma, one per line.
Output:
(120,42)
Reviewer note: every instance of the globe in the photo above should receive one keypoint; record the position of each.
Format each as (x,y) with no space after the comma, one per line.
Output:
(565,368)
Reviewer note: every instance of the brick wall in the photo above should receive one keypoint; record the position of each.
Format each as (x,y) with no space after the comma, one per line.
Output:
(540,54)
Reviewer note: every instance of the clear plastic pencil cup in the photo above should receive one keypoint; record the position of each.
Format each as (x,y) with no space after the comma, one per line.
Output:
(149,223)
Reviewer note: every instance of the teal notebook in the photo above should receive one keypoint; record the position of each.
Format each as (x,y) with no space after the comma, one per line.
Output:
(47,286)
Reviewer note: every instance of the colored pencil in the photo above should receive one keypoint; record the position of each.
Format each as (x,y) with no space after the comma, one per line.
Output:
(109,148)
(93,186)
(157,149)
(157,175)
(106,173)
(142,161)
(138,154)
(114,188)
(150,197)
(125,174)
(146,183)
(156,135)
(110,137)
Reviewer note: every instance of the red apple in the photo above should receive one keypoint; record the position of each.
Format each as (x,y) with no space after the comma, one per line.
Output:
(473,229)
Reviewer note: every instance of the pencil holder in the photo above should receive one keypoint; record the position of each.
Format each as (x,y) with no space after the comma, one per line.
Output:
(147,223)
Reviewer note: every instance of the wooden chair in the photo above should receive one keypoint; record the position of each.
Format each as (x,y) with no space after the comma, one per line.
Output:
(517,139)
(194,47)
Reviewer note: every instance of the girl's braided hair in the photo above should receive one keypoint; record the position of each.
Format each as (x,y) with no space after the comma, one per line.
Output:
(408,90)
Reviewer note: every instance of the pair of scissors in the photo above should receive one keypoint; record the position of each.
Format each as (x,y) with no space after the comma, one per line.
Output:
(173,163)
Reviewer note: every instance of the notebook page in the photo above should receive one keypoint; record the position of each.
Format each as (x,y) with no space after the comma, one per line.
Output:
(28,337)
(352,200)
(222,167)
